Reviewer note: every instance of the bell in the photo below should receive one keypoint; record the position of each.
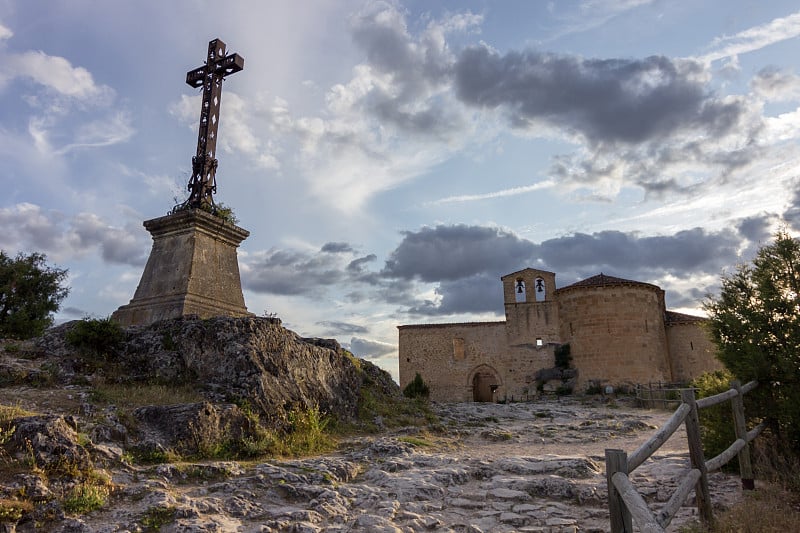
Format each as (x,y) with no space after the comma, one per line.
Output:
(520,287)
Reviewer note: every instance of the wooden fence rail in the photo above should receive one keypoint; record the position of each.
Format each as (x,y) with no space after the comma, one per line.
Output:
(627,506)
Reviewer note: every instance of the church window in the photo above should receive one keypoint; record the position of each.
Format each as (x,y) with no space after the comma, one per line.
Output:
(540,290)
(691,345)
(539,342)
(519,291)
(458,349)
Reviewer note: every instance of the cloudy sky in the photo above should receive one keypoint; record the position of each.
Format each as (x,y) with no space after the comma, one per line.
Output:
(393,159)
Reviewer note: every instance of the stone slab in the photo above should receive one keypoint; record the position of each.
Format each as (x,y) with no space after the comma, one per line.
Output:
(192,270)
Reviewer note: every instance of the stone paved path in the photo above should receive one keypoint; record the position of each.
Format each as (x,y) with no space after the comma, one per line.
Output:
(532,467)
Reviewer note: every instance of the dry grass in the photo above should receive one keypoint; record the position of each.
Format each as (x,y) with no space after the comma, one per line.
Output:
(769,508)
(140,394)
(775,504)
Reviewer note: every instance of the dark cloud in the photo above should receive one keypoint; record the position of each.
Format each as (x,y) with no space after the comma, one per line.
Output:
(792,214)
(74,312)
(757,228)
(464,263)
(625,100)
(686,251)
(357,266)
(478,289)
(26,226)
(342,328)
(336,247)
(369,349)
(289,272)
(476,294)
(454,252)
(419,67)
(776,84)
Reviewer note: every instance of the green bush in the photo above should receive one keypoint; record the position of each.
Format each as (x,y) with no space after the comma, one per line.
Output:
(417,388)
(716,422)
(98,336)
(563,358)
(30,292)
(755,323)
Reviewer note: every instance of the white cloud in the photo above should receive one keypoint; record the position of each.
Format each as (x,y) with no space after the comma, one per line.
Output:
(776,85)
(754,38)
(28,227)
(110,130)
(55,73)
(237,125)
(546,184)
(5,33)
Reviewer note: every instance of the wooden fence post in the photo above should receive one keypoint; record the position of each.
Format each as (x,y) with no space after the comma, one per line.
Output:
(702,494)
(621,522)
(740,425)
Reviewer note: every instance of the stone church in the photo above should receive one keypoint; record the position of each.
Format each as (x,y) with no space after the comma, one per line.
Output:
(619,333)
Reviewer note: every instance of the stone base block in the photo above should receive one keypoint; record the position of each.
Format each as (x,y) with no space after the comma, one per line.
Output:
(192,270)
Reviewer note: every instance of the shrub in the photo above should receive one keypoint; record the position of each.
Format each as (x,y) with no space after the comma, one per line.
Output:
(716,422)
(85,498)
(755,323)
(563,359)
(417,388)
(97,336)
(30,292)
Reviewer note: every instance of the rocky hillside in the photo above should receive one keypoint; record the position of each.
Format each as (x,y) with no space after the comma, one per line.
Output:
(89,395)
(240,425)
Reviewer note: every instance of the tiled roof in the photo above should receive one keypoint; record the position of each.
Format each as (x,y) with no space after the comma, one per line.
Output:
(601,280)
(672,318)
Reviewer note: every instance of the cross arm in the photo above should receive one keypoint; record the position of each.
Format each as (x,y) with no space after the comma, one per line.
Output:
(229,65)
(196,76)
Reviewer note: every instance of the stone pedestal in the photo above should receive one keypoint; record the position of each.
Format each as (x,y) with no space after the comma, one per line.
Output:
(192,270)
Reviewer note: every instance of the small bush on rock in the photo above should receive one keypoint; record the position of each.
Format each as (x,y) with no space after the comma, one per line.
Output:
(563,357)
(97,336)
(417,388)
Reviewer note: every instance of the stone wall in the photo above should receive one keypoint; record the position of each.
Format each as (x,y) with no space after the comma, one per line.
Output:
(619,333)
(691,351)
(448,356)
(616,333)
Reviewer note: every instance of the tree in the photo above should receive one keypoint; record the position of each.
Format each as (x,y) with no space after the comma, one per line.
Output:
(755,322)
(30,291)
(417,388)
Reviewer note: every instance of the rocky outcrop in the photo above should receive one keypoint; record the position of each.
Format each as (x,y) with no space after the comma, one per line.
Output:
(242,360)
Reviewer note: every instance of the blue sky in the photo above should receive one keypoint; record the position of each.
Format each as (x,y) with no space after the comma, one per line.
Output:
(393,159)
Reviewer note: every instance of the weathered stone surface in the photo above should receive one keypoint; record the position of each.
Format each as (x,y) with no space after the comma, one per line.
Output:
(248,359)
(52,440)
(548,476)
(192,269)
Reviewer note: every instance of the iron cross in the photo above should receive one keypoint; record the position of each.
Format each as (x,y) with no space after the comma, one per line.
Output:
(202,184)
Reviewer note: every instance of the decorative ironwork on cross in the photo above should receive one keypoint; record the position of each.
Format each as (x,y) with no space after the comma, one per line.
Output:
(218,65)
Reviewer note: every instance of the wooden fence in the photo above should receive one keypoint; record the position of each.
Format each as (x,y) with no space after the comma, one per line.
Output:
(626,505)
(659,394)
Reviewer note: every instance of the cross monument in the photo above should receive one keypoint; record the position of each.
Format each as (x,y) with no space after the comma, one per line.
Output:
(193,268)
(202,184)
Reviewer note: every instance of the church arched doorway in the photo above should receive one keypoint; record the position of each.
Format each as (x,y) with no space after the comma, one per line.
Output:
(484,383)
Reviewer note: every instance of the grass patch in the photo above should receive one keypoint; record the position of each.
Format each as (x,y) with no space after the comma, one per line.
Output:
(156,517)
(770,508)
(420,442)
(11,510)
(10,412)
(393,411)
(124,395)
(85,498)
